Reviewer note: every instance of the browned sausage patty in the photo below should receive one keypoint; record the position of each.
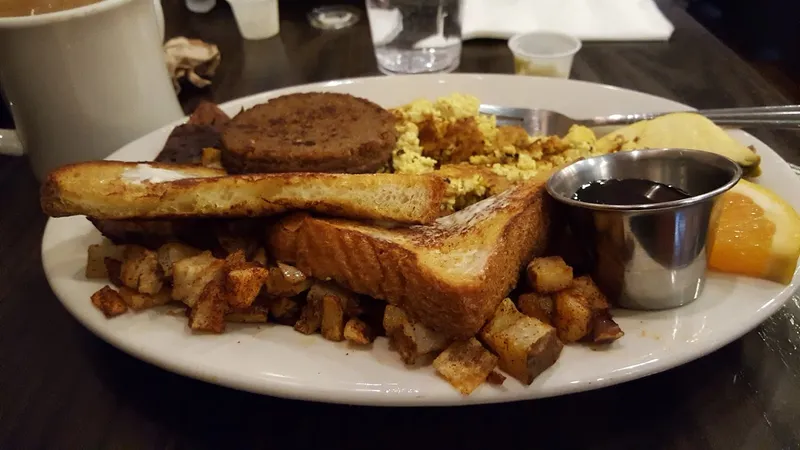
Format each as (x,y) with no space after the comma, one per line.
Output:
(310,132)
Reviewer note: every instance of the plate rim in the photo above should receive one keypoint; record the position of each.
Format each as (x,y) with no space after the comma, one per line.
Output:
(291,390)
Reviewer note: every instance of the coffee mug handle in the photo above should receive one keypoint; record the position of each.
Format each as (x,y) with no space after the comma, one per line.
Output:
(10,143)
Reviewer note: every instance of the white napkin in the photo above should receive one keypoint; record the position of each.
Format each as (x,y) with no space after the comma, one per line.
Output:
(588,20)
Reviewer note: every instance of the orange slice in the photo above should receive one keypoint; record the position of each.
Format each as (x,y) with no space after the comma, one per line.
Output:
(755,233)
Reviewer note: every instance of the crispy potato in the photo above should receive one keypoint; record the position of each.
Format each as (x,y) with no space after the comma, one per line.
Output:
(349,299)
(604,329)
(465,365)
(549,274)
(411,339)
(253,314)
(178,309)
(526,346)
(286,281)
(504,316)
(496,378)
(394,318)
(211,158)
(260,257)
(96,255)
(573,315)
(538,306)
(141,271)
(332,326)
(113,269)
(358,332)
(208,313)
(589,289)
(191,275)
(172,252)
(243,282)
(109,302)
(285,310)
(311,316)
(138,301)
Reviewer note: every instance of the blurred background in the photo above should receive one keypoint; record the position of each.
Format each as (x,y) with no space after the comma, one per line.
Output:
(766,33)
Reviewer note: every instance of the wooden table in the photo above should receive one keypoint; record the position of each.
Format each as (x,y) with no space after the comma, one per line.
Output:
(62,388)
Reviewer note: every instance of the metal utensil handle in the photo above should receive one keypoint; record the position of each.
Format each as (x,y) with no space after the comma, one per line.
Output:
(754,109)
(767,115)
(786,124)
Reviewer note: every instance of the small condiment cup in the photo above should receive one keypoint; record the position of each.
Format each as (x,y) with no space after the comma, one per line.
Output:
(544,53)
(647,256)
(256,19)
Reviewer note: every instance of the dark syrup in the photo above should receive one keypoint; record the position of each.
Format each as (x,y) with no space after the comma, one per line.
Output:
(628,191)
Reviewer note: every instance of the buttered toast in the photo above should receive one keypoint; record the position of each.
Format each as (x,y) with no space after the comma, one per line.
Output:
(124,190)
(449,275)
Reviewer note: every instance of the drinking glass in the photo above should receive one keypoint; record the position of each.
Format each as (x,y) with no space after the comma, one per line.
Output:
(416,36)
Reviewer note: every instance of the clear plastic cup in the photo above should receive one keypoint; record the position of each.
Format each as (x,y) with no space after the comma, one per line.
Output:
(544,53)
(256,19)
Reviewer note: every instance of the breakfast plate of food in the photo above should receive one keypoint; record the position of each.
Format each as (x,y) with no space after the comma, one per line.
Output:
(378,241)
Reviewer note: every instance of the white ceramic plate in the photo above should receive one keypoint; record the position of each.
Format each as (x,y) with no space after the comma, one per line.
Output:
(275,360)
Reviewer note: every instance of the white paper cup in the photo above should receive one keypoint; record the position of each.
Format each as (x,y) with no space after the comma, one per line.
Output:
(544,53)
(256,19)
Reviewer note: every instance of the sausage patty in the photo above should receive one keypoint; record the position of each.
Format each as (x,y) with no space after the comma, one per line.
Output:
(310,132)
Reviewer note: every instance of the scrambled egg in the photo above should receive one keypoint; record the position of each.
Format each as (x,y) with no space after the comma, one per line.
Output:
(449,137)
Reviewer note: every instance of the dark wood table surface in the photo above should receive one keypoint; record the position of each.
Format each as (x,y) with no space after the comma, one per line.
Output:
(63,388)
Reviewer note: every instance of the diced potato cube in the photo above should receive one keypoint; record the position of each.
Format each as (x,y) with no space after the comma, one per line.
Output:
(286,281)
(589,290)
(311,315)
(349,299)
(95,264)
(538,306)
(243,283)
(208,313)
(332,318)
(96,255)
(411,339)
(191,275)
(358,332)
(141,270)
(504,316)
(604,329)
(496,378)
(549,274)
(138,301)
(526,346)
(465,365)
(109,302)
(172,252)
(573,315)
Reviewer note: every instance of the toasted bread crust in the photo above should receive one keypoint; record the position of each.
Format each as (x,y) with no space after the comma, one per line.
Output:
(393,266)
(310,132)
(100,190)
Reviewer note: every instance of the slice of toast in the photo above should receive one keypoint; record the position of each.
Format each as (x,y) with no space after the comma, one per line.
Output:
(125,190)
(449,275)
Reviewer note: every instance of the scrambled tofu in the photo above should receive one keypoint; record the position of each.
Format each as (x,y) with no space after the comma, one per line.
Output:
(449,137)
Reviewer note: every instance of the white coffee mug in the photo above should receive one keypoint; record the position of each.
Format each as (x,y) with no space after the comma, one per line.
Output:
(83,82)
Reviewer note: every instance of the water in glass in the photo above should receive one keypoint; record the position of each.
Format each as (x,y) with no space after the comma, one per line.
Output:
(416,36)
